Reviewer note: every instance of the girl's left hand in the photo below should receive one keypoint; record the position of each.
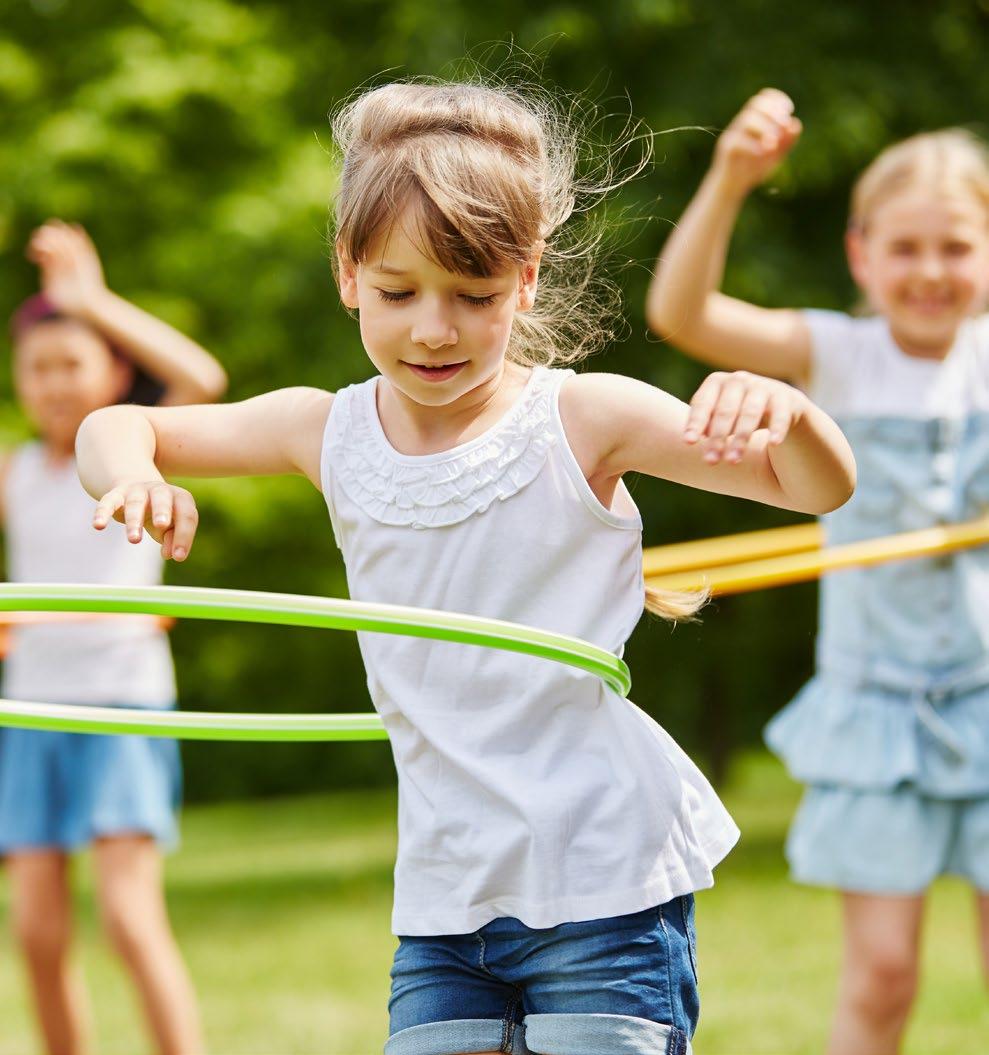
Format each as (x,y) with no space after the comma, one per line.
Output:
(728,408)
(71,274)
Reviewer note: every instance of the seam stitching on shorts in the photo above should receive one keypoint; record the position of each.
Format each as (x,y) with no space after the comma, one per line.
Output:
(669,981)
(483,950)
(508,1024)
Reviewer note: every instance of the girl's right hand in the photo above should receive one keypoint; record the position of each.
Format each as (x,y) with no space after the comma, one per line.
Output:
(760,136)
(168,513)
(71,273)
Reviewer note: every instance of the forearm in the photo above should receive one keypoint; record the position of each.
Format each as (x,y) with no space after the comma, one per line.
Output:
(190,374)
(814,465)
(691,266)
(115,444)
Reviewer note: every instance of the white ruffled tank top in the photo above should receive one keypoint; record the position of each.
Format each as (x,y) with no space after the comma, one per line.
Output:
(526,788)
(121,660)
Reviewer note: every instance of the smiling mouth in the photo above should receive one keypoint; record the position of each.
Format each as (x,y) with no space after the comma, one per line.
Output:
(435,371)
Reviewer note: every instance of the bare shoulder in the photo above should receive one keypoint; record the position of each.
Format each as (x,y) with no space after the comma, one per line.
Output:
(305,412)
(609,401)
(599,411)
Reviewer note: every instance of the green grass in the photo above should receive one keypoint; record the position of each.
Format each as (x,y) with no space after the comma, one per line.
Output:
(282,909)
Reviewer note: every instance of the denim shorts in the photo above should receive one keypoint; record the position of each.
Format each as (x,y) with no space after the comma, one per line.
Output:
(887,841)
(620,986)
(63,790)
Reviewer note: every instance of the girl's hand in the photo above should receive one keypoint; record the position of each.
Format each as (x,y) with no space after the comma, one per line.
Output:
(728,408)
(168,513)
(757,140)
(71,274)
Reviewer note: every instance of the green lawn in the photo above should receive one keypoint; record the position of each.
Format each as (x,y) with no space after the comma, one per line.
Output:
(282,909)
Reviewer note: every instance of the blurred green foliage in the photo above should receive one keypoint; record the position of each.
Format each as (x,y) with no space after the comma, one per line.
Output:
(191,140)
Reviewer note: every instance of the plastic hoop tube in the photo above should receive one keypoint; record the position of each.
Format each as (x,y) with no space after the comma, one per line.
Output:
(283,609)
(799,567)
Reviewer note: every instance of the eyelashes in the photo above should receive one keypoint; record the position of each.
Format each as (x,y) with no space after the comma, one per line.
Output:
(392,296)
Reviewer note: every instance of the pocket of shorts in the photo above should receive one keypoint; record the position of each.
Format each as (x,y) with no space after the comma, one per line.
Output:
(687,913)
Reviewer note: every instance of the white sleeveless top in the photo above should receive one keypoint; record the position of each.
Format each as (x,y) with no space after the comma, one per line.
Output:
(526,788)
(49,539)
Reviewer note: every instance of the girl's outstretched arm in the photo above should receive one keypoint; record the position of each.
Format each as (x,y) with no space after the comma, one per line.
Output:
(125,453)
(741,435)
(72,279)
(684,303)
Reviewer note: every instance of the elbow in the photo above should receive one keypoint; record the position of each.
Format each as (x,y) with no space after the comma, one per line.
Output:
(672,323)
(836,495)
(661,320)
(208,386)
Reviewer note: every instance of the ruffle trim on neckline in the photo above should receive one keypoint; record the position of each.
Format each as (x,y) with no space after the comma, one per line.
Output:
(437,491)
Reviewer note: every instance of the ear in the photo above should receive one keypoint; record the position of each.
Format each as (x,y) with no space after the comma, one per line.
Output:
(855,251)
(529,278)
(346,279)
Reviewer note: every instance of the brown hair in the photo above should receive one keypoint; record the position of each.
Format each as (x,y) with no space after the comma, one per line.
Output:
(490,174)
(951,159)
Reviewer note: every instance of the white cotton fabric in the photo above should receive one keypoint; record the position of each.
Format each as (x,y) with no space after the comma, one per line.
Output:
(49,538)
(858,370)
(526,788)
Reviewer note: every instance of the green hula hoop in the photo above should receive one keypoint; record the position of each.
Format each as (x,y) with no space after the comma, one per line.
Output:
(284,609)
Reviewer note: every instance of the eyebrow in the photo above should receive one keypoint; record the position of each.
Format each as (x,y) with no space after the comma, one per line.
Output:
(386,269)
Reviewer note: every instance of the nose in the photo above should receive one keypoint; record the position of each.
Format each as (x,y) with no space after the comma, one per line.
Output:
(932,266)
(432,327)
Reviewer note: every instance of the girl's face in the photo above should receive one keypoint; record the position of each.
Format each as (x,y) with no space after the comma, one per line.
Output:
(62,372)
(434,334)
(923,263)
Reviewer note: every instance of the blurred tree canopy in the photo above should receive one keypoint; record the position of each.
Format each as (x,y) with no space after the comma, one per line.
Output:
(191,140)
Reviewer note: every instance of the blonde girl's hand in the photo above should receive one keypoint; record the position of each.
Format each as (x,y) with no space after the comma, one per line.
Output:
(71,273)
(168,513)
(729,407)
(757,140)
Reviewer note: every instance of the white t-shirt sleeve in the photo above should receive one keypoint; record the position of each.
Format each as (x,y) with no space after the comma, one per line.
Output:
(836,361)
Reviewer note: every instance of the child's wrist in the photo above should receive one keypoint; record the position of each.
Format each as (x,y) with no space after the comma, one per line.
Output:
(727,186)
(95,306)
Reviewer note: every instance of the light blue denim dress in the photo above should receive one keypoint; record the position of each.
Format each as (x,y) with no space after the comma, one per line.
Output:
(892,733)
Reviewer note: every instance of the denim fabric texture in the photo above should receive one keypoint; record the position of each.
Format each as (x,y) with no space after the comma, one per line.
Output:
(620,986)
(900,700)
(62,790)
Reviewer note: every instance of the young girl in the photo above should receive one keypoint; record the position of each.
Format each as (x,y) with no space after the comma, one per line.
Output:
(892,735)
(550,834)
(77,347)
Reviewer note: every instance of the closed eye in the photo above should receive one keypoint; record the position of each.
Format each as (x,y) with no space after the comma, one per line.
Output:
(394,295)
(479,302)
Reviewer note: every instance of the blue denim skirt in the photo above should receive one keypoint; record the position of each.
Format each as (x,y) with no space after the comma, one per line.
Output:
(63,790)
(620,986)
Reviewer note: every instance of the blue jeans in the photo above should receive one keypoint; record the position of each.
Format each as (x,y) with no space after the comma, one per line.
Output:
(621,986)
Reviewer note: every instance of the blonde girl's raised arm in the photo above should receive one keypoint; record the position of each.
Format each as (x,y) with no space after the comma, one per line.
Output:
(685,304)
(126,453)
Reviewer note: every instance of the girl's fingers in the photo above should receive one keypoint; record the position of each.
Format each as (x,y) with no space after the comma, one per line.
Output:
(186,520)
(725,414)
(750,416)
(161,506)
(780,418)
(701,406)
(135,513)
(108,505)
(763,129)
(166,544)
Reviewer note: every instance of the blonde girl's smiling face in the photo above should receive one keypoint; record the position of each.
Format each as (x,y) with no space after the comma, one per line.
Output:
(923,263)
(435,335)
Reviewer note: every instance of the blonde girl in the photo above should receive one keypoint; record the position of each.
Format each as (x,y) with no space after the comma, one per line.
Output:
(551,834)
(892,734)
(78,346)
